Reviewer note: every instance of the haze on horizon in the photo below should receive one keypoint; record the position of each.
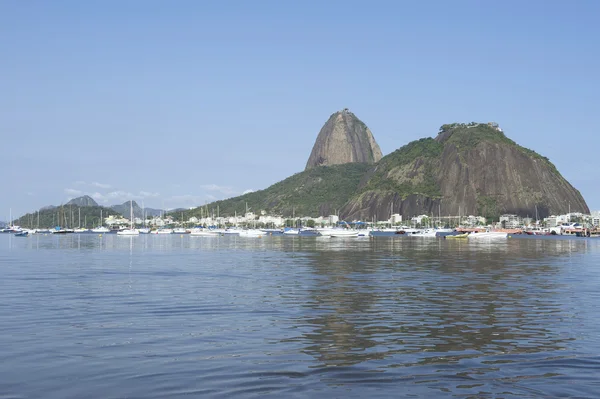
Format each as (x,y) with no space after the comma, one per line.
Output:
(176,106)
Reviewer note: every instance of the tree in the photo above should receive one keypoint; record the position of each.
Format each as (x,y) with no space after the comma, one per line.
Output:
(310,223)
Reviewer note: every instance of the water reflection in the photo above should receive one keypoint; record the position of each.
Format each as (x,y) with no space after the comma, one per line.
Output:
(422,302)
(303,316)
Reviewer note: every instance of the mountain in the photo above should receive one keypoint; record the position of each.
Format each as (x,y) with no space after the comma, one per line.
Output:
(65,216)
(469,169)
(85,200)
(318,191)
(344,139)
(138,212)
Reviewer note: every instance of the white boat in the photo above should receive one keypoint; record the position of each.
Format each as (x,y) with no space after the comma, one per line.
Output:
(163,231)
(487,235)
(144,230)
(335,232)
(291,232)
(131,231)
(80,230)
(199,232)
(251,233)
(180,230)
(101,228)
(430,233)
(128,232)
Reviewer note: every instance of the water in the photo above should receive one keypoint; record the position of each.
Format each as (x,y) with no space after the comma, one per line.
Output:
(83,316)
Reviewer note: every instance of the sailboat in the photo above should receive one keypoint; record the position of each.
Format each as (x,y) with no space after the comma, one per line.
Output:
(144,230)
(80,229)
(101,228)
(131,231)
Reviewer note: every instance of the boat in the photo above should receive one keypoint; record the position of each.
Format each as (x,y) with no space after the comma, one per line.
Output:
(60,230)
(291,232)
(101,228)
(201,232)
(80,230)
(430,233)
(251,233)
(488,235)
(22,234)
(144,230)
(180,230)
(131,231)
(163,231)
(338,232)
(463,235)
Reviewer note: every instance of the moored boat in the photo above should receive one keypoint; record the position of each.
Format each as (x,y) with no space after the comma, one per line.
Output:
(128,232)
(251,233)
(452,236)
(489,235)
(201,232)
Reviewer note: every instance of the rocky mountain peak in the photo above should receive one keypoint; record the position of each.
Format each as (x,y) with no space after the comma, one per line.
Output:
(85,200)
(344,139)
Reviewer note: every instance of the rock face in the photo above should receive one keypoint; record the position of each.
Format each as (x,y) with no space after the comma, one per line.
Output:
(85,200)
(344,139)
(466,170)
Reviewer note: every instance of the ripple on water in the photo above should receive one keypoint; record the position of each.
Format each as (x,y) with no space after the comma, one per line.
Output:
(150,317)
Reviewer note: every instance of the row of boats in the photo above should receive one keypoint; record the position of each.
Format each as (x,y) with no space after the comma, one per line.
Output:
(324,232)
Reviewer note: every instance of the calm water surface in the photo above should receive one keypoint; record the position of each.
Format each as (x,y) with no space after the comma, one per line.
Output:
(83,316)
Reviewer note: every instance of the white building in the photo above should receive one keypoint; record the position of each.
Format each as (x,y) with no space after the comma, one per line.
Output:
(396,218)
(418,219)
(551,221)
(511,221)
(333,219)
(276,221)
(595,218)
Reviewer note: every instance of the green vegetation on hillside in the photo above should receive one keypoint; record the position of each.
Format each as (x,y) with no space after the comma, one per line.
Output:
(468,136)
(488,208)
(303,194)
(65,216)
(421,154)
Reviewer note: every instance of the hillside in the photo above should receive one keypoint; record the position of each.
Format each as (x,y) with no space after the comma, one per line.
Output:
(317,191)
(67,215)
(467,169)
(138,211)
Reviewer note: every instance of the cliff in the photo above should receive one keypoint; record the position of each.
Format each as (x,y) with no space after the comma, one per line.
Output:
(467,169)
(344,139)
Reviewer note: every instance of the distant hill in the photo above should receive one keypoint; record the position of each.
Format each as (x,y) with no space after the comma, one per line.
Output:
(85,200)
(66,216)
(138,212)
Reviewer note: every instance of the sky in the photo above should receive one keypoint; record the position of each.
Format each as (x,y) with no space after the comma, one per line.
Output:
(175,104)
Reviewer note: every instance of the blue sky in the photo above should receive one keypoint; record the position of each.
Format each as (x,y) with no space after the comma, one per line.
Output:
(180,103)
